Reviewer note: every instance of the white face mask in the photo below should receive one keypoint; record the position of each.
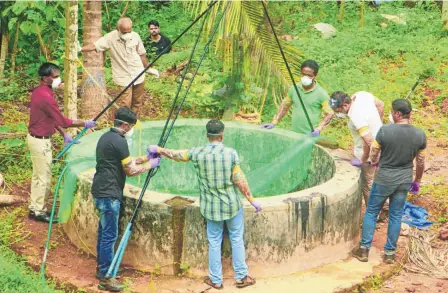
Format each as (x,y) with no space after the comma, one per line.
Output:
(56,82)
(341,115)
(391,119)
(129,134)
(306,80)
(125,37)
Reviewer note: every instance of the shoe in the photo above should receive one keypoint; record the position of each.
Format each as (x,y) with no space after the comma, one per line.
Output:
(110,284)
(389,258)
(99,277)
(362,254)
(45,217)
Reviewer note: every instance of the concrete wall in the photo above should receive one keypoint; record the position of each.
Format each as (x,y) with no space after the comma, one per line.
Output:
(297,230)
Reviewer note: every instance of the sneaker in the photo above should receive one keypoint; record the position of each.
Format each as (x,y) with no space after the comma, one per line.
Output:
(362,254)
(110,284)
(45,217)
(389,258)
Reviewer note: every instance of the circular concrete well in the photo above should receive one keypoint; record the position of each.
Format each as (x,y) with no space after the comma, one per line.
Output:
(316,222)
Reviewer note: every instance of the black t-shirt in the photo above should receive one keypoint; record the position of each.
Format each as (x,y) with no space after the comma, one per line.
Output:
(400,143)
(110,178)
(155,48)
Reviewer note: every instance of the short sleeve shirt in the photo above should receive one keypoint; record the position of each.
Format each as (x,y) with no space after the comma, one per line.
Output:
(363,117)
(155,48)
(125,56)
(109,179)
(400,144)
(315,101)
(219,197)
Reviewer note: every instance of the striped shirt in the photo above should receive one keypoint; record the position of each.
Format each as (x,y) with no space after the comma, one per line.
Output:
(215,164)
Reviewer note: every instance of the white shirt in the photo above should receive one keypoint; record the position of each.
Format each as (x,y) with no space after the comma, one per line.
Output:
(363,119)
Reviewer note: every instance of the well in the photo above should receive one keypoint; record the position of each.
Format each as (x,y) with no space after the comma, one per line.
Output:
(316,223)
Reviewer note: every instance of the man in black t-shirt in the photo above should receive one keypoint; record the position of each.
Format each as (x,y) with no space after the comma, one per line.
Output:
(399,144)
(156,42)
(113,164)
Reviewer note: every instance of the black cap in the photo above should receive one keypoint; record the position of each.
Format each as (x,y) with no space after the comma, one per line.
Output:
(215,128)
(126,115)
(402,105)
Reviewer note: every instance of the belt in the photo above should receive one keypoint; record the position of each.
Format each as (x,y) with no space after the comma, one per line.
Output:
(40,137)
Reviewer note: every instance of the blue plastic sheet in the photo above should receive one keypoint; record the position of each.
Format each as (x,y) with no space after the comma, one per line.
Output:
(415,216)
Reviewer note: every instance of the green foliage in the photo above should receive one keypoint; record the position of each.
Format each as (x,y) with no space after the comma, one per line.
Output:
(15,161)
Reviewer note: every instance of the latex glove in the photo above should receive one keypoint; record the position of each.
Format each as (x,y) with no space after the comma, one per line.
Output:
(89,124)
(154,163)
(315,132)
(256,205)
(68,139)
(154,72)
(153,152)
(267,126)
(356,162)
(415,187)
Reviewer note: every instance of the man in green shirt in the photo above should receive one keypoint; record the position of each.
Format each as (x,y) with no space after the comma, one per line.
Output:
(313,96)
(220,177)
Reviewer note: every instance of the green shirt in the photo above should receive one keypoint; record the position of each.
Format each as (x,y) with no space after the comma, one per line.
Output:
(214,164)
(315,100)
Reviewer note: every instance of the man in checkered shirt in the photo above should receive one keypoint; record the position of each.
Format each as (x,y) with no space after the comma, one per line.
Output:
(220,178)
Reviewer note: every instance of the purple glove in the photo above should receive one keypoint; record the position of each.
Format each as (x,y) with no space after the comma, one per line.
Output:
(415,187)
(152,151)
(68,139)
(267,126)
(256,205)
(315,132)
(89,124)
(154,163)
(356,162)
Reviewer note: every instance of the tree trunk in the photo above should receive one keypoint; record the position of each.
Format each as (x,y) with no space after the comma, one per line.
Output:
(93,98)
(445,15)
(361,17)
(3,53)
(71,54)
(341,10)
(14,49)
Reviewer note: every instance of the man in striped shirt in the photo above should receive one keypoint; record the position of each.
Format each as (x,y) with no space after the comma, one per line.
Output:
(220,178)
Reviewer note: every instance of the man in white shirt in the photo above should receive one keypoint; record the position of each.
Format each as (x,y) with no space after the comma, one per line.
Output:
(365,119)
(128,56)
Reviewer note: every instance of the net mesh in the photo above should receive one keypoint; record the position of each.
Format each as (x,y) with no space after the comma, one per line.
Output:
(275,162)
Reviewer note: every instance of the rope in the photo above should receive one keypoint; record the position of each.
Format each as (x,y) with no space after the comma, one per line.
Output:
(287,65)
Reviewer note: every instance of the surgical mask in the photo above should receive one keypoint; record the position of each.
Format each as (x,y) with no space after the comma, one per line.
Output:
(306,80)
(129,134)
(341,115)
(125,37)
(56,82)
(391,119)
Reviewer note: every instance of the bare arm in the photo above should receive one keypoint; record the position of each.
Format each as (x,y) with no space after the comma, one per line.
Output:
(367,143)
(175,155)
(420,159)
(60,130)
(327,119)
(240,182)
(380,107)
(284,108)
(375,152)
(88,48)
(144,60)
(133,166)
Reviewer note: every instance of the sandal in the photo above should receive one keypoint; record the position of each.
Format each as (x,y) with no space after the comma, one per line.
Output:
(244,282)
(211,284)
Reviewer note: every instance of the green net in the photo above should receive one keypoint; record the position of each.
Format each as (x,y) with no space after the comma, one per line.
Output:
(274,161)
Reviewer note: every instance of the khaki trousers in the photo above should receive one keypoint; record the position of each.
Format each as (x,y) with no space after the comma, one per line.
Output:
(367,176)
(133,97)
(41,157)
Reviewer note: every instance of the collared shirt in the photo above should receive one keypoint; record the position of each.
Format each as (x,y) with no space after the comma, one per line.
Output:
(125,56)
(315,101)
(44,113)
(109,180)
(214,164)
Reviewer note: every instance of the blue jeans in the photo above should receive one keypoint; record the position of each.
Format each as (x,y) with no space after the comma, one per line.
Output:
(109,209)
(215,229)
(378,196)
